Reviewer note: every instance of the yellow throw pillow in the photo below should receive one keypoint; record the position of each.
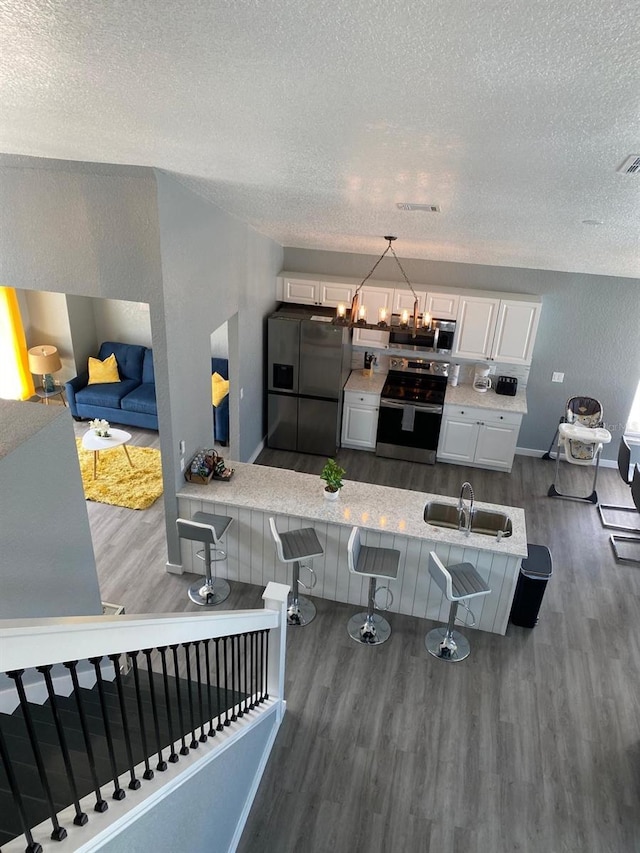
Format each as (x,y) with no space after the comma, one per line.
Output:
(219,388)
(103,371)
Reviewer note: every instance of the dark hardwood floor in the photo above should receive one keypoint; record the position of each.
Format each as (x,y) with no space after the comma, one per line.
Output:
(532,744)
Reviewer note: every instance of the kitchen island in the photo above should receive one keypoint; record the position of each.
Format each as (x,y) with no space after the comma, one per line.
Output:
(388,517)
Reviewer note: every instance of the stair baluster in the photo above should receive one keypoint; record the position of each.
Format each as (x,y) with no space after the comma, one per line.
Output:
(32,846)
(134,783)
(80,819)
(246,682)
(184,749)
(266,666)
(194,741)
(234,715)
(173,756)
(59,832)
(118,792)
(162,764)
(225,641)
(219,727)
(203,736)
(212,731)
(101,804)
(148,772)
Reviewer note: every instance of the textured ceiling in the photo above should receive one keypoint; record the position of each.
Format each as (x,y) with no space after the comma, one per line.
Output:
(310,121)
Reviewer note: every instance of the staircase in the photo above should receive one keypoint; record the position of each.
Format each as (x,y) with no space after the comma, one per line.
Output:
(150,709)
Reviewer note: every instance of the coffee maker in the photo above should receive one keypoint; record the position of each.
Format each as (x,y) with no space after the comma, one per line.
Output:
(481,379)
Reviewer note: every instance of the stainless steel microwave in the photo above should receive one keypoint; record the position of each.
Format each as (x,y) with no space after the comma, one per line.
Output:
(438,337)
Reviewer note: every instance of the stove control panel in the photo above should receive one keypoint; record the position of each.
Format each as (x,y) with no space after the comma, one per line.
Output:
(421,366)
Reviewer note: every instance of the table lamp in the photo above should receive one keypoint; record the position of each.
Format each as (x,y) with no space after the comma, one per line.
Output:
(45,360)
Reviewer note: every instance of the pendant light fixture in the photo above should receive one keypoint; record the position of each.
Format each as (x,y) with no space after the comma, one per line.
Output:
(357,316)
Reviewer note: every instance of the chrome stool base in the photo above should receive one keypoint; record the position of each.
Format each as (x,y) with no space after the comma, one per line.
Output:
(300,611)
(210,592)
(434,644)
(369,631)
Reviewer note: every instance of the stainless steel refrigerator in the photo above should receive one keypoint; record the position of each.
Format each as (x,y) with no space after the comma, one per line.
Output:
(308,363)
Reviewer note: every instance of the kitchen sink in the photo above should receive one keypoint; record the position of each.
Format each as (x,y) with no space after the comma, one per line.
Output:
(484,521)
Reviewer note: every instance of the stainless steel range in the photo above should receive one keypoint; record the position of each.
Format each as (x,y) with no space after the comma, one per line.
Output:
(411,409)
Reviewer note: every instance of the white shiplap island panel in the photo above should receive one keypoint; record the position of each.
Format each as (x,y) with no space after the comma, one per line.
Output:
(388,517)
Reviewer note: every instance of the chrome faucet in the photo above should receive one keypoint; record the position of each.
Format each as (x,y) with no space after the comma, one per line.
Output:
(464,517)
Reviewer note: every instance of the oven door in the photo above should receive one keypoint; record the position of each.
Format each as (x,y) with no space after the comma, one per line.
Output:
(408,431)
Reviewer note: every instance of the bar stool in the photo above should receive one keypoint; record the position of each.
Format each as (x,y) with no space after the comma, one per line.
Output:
(370,628)
(458,583)
(296,547)
(209,529)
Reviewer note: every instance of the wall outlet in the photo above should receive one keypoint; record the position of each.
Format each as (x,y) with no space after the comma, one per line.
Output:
(182,465)
(557,377)
(183,447)
(241,393)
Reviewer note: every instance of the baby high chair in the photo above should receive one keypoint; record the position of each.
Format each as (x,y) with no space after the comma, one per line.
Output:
(581,435)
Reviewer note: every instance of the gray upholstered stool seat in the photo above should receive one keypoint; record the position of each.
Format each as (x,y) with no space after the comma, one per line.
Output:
(370,628)
(458,583)
(209,529)
(296,547)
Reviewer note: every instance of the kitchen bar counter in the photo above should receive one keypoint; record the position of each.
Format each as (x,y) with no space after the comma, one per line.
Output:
(464,395)
(389,517)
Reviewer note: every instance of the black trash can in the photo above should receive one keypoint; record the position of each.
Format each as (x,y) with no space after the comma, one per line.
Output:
(534,574)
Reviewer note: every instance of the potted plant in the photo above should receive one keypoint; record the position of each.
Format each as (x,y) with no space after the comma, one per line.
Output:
(332,474)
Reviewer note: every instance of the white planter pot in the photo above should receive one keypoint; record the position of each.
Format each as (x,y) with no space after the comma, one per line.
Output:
(331,496)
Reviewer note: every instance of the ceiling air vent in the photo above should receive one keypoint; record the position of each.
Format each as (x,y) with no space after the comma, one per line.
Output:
(428,208)
(631,165)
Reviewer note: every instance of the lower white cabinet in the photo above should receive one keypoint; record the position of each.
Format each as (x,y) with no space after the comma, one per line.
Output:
(360,420)
(482,438)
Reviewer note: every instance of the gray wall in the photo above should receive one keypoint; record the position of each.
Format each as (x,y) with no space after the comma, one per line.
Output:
(95,230)
(589,330)
(202,815)
(47,564)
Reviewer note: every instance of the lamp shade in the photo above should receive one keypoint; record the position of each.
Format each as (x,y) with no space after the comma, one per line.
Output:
(44,359)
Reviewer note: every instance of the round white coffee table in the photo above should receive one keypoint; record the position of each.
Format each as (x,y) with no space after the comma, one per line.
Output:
(117,438)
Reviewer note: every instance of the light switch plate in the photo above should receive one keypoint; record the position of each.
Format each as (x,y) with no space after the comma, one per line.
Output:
(557,377)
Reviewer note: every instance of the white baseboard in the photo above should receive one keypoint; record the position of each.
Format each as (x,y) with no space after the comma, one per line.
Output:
(174,568)
(528,451)
(256,453)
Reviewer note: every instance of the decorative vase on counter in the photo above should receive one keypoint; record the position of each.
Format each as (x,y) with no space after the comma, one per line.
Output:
(331,496)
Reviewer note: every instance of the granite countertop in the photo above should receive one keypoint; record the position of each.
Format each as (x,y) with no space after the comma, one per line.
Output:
(464,395)
(362,384)
(281,491)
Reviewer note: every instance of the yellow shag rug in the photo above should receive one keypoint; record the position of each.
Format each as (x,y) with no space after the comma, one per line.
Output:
(119,484)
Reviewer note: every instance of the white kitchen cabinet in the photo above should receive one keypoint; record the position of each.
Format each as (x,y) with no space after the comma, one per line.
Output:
(476,326)
(496,329)
(481,438)
(334,293)
(404,299)
(360,420)
(442,306)
(307,292)
(516,331)
(373,298)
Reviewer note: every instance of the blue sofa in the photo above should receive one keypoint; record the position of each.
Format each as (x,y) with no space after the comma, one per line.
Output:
(132,401)
(221,412)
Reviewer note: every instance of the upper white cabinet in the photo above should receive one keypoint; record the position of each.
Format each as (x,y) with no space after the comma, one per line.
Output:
(373,298)
(307,292)
(496,329)
(333,294)
(516,331)
(442,306)
(477,319)
(403,301)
